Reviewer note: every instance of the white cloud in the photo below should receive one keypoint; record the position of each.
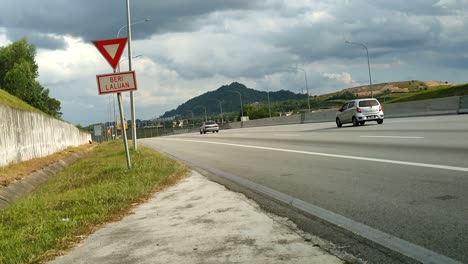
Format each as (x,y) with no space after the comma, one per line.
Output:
(78,60)
(3,38)
(343,77)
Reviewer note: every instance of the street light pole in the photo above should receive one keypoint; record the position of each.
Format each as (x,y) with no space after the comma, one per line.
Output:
(124,26)
(220,107)
(193,121)
(134,23)
(368,63)
(128,26)
(124,59)
(240,97)
(307,86)
(132,103)
(206,119)
(268,96)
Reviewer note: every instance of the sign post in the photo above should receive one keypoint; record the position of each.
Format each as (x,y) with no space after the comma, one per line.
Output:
(112,50)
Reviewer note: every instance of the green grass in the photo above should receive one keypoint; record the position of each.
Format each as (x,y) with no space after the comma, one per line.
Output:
(93,191)
(438,92)
(15,102)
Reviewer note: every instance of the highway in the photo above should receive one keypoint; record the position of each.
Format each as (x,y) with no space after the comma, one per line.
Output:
(407,177)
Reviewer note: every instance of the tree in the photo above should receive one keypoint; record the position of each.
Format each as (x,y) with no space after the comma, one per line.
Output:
(256,111)
(18,52)
(18,73)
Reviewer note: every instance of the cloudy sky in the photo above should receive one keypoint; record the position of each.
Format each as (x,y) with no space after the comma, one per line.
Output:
(192,46)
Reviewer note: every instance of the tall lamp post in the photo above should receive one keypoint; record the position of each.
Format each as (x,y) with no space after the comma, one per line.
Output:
(268,96)
(242,107)
(118,70)
(206,119)
(306,85)
(368,63)
(124,59)
(129,36)
(193,121)
(220,108)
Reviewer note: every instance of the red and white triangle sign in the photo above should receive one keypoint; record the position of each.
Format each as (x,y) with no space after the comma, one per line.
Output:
(111,49)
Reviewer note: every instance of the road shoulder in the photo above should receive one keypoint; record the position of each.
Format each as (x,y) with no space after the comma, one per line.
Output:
(199,221)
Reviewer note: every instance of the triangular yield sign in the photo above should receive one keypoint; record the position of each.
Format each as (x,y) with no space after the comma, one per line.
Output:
(111,49)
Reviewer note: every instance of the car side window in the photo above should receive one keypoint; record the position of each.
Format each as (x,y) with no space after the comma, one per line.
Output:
(344,107)
(350,104)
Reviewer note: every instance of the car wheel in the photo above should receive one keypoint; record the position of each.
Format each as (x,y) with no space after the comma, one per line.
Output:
(201,132)
(338,123)
(217,131)
(204,132)
(355,122)
(213,131)
(380,121)
(362,123)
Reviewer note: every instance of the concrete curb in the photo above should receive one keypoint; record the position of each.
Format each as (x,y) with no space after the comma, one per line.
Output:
(16,190)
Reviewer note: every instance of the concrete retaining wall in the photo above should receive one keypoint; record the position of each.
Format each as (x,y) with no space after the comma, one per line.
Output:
(25,135)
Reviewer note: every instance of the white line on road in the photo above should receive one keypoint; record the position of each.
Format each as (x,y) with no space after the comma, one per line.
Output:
(398,137)
(286,135)
(416,164)
(399,245)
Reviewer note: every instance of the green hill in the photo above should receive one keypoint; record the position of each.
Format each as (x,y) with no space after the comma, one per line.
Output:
(230,100)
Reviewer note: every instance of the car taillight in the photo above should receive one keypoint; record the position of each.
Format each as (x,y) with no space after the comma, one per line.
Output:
(358,110)
(380,108)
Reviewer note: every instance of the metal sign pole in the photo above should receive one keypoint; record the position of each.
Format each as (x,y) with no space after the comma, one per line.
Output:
(124,132)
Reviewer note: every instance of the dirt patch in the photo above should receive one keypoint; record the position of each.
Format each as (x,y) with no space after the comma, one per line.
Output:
(16,171)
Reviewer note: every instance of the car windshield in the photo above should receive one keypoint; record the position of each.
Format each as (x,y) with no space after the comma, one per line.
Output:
(210,123)
(368,103)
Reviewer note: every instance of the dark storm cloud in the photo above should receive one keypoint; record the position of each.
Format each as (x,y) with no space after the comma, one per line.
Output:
(388,28)
(40,40)
(102,19)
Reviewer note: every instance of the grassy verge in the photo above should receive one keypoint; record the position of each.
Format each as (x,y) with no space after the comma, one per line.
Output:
(75,202)
(16,171)
(441,92)
(15,102)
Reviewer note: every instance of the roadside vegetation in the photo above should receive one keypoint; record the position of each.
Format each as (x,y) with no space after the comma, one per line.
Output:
(18,76)
(438,92)
(14,102)
(74,203)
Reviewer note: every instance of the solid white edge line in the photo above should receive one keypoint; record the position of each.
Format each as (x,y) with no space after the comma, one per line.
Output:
(394,243)
(416,164)
(403,137)
(286,135)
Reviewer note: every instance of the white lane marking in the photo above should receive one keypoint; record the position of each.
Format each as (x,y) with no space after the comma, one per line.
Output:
(416,164)
(398,137)
(286,135)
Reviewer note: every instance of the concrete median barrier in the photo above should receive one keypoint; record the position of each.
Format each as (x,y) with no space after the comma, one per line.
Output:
(439,106)
(463,107)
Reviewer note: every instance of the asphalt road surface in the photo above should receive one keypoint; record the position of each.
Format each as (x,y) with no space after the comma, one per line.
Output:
(407,177)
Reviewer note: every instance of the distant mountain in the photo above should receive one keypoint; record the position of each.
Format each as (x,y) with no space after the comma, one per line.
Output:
(230,100)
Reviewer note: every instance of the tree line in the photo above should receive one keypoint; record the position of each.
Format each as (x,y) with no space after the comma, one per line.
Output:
(18,74)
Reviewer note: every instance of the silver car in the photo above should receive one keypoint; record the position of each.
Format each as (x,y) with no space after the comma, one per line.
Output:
(359,111)
(209,126)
